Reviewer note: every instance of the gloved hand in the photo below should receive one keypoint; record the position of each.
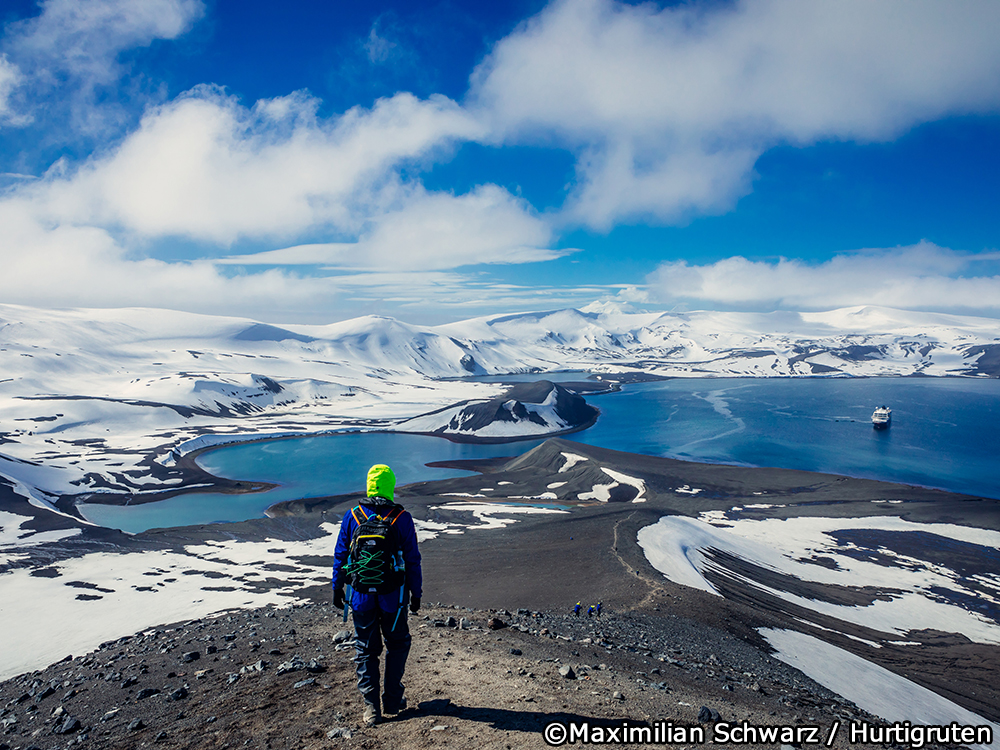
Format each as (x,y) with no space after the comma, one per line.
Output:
(338,597)
(414,604)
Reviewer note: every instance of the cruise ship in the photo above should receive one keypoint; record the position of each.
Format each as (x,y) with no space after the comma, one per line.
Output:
(881,417)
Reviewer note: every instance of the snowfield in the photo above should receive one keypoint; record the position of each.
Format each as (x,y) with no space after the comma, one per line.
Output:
(681,548)
(96,400)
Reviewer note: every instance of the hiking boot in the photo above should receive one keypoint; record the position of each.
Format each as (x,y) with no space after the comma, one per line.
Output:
(371,716)
(396,709)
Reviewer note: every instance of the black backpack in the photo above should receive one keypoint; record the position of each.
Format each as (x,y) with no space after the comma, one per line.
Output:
(375,564)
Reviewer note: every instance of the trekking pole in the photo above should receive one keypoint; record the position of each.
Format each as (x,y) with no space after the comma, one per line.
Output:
(347,598)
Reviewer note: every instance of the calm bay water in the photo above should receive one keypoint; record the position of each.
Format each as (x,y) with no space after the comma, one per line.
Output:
(944,434)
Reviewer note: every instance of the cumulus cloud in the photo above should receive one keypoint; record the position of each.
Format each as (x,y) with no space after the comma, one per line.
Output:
(205,167)
(669,109)
(922,276)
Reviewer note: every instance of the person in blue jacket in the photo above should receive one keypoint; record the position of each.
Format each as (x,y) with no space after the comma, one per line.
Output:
(378,616)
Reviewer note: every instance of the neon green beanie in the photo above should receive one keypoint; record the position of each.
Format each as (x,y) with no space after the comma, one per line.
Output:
(381,482)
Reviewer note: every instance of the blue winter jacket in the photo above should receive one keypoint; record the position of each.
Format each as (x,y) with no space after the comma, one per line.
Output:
(411,556)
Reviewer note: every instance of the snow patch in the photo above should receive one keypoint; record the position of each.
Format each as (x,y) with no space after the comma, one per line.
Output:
(572,459)
(678,547)
(139,590)
(871,687)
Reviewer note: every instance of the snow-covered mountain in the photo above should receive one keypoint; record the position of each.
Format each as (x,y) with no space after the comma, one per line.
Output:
(96,400)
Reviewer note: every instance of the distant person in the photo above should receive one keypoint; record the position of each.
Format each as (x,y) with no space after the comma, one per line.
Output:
(598,609)
(377,558)
(590,610)
(576,609)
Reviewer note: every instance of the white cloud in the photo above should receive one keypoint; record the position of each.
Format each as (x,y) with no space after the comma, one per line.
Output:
(83,38)
(84,266)
(669,109)
(378,48)
(922,276)
(206,167)
(74,48)
(666,111)
(9,78)
(433,231)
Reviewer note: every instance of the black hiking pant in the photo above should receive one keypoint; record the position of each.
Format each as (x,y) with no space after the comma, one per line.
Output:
(370,628)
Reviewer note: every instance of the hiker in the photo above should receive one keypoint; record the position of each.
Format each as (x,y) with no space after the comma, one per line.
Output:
(590,610)
(576,609)
(598,610)
(377,558)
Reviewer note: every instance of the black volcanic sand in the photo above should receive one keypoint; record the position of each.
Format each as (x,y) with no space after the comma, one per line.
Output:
(544,564)
(284,678)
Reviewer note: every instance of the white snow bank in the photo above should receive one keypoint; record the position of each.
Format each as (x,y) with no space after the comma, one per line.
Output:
(44,620)
(602,492)
(13,535)
(572,459)
(485,513)
(870,686)
(676,546)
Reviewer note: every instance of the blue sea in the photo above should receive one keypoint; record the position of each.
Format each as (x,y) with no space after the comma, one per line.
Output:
(944,434)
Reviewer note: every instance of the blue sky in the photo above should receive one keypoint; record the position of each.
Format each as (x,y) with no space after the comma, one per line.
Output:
(437,161)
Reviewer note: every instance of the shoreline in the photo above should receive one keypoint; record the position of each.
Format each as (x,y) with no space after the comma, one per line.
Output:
(196,479)
(210,483)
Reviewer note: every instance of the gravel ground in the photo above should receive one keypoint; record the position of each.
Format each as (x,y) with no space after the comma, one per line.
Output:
(283,678)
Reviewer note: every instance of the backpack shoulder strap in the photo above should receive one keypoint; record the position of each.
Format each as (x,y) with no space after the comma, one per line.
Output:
(394,514)
(359,510)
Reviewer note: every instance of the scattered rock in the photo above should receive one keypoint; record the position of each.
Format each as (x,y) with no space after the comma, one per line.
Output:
(495,623)
(178,694)
(256,668)
(190,656)
(618,695)
(706,714)
(304,683)
(146,693)
(69,726)
(135,725)
(567,672)
(342,732)
(515,651)
(295,664)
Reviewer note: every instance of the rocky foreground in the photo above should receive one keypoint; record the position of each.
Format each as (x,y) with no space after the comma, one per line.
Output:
(283,678)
